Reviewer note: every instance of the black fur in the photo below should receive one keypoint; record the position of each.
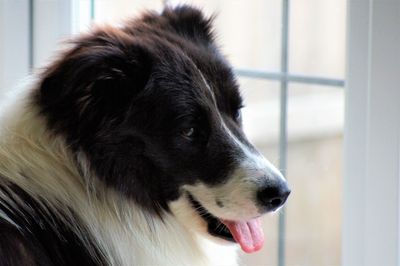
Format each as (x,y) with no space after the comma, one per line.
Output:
(124,97)
(42,238)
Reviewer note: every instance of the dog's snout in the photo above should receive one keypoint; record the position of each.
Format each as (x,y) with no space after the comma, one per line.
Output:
(273,195)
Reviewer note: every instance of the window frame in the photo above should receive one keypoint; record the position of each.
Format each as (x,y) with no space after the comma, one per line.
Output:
(371,212)
(14,46)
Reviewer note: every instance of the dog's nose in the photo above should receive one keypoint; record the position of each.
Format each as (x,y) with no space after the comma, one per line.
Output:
(273,195)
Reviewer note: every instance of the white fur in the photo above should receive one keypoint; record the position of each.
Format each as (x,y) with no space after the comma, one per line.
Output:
(238,193)
(42,166)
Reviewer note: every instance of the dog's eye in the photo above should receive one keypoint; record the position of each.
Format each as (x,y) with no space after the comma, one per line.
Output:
(238,115)
(188,132)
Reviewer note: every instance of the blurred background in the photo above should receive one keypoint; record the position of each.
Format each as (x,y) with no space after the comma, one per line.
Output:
(290,61)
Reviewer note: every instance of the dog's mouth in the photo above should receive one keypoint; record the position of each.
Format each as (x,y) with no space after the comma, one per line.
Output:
(248,234)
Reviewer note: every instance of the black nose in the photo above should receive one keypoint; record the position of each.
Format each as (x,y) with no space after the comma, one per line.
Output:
(273,195)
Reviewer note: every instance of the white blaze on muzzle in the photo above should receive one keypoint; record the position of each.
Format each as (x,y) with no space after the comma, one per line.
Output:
(258,166)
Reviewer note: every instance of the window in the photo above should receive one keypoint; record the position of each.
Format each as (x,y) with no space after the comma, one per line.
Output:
(289,56)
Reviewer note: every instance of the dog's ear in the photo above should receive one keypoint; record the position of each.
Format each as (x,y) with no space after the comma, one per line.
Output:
(190,23)
(94,82)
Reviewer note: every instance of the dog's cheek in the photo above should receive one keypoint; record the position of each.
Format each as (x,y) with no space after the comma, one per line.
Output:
(184,212)
(123,165)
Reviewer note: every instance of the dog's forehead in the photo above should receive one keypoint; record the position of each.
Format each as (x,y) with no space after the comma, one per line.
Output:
(194,68)
(215,80)
(199,78)
(224,91)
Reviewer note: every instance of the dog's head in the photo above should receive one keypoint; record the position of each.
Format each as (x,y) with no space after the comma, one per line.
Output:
(155,108)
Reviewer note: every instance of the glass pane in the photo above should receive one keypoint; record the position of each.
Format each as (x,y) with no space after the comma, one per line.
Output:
(248,33)
(114,11)
(261,124)
(81,19)
(317,37)
(315,127)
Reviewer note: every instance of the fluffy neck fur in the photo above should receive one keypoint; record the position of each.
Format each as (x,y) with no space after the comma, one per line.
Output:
(42,166)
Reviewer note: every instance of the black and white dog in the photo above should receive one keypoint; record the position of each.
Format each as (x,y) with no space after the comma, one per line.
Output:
(128,150)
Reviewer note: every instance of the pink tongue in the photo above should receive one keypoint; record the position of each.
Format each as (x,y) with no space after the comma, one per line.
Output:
(248,234)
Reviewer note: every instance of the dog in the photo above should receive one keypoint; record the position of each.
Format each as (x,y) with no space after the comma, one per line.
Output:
(128,149)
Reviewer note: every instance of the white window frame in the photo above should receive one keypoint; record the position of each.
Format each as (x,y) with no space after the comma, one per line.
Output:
(51,22)
(24,44)
(14,44)
(372,134)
